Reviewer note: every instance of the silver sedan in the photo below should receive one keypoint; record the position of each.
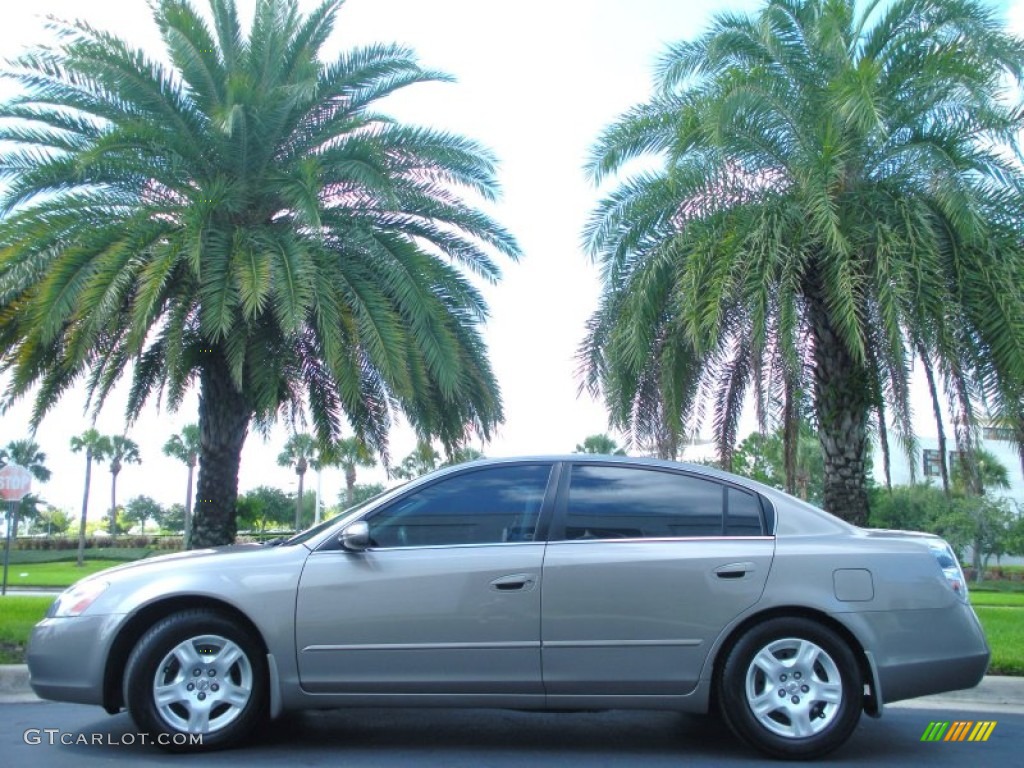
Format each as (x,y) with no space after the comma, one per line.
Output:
(537,583)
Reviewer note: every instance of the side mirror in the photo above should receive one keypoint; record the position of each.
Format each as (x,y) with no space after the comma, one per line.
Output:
(355,537)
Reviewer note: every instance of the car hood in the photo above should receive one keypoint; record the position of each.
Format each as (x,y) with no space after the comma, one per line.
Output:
(206,558)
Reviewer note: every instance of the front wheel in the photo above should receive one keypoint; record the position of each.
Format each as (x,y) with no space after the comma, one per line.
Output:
(196,680)
(791,688)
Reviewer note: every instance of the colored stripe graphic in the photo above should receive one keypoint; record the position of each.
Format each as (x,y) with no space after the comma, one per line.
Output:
(958,730)
(935,731)
(982,731)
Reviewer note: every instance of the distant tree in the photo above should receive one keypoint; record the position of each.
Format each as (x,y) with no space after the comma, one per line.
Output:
(171,519)
(426,458)
(298,452)
(185,447)
(917,507)
(308,511)
(1015,539)
(423,459)
(121,523)
(25,453)
(762,457)
(349,453)
(142,508)
(359,494)
(25,512)
(265,507)
(461,455)
(986,472)
(123,450)
(97,447)
(600,444)
(987,525)
(53,521)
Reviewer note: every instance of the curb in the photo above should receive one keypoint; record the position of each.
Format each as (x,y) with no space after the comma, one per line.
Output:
(992,694)
(14,687)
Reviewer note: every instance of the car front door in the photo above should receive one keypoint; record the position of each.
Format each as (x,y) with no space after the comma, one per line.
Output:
(445,600)
(644,569)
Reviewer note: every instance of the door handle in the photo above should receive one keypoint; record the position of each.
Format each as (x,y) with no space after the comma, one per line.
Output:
(517,582)
(734,570)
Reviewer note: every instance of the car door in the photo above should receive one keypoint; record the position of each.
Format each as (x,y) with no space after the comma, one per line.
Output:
(445,600)
(644,568)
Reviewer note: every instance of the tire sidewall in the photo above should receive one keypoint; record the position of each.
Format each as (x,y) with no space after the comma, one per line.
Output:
(732,689)
(151,650)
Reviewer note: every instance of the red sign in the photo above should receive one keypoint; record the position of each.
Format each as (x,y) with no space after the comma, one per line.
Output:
(15,482)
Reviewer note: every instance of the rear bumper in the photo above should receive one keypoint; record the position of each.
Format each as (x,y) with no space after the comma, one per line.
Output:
(920,653)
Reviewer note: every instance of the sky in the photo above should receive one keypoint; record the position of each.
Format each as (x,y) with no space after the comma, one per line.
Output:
(536,81)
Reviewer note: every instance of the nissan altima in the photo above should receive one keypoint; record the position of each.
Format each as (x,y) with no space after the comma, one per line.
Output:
(553,583)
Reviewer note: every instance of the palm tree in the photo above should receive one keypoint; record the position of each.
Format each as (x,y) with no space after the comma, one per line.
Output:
(97,447)
(25,453)
(185,448)
(423,459)
(461,454)
(601,444)
(123,450)
(349,453)
(833,201)
(245,219)
(299,451)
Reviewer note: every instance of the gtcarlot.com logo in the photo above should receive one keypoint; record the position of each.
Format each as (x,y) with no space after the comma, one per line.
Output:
(958,730)
(54,736)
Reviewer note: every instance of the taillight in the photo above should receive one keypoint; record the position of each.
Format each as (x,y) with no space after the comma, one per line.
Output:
(950,566)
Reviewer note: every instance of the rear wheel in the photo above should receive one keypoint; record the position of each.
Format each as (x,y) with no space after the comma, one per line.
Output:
(196,680)
(791,688)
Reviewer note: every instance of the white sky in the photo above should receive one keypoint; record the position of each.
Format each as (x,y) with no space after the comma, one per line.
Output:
(537,80)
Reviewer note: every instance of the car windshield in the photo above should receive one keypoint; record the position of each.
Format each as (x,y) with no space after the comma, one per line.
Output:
(309,533)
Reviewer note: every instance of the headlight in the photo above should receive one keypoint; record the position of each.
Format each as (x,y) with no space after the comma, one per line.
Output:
(947,561)
(74,600)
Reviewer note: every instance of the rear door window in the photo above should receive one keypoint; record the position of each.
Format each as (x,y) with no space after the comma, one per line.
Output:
(617,502)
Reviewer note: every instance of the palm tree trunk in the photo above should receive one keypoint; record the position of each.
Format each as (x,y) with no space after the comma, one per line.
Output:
(841,404)
(883,441)
(790,435)
(224,417)
(298,503)
(933,390)
(187,533)
(350,484)
(113,501)
(85,508)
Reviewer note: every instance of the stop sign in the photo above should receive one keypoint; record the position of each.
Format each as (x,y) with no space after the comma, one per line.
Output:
(15,482)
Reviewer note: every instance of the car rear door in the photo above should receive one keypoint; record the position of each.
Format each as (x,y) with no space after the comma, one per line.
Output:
(644,568)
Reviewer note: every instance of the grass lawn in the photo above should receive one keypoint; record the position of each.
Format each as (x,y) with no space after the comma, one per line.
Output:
(1009,599)
(22,556)
(1004,627)
(53,574)
(18,614)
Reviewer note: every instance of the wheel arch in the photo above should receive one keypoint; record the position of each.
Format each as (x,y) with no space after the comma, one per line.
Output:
(136,626)
(871,700)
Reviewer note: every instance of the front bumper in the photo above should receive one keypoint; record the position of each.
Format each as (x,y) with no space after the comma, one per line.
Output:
(67,657)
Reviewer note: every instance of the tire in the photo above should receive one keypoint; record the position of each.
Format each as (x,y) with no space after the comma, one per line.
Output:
(194,673)
(791,688)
